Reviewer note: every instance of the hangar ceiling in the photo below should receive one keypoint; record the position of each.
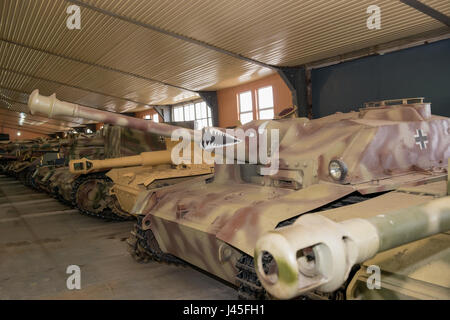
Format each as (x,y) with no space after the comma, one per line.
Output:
(132,55)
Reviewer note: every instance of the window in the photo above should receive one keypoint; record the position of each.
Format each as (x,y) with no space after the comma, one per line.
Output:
(202,115)
(154,117)
(264,108)
(245,107)
(198,112)
(189,112)
(178,114)
(265,103)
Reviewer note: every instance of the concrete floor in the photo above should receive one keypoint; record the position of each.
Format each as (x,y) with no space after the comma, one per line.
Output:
(40,238)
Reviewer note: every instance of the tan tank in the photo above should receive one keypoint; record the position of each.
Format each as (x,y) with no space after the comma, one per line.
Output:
(275,171)
(134,174)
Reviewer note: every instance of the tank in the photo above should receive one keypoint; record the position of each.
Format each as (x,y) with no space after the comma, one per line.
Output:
(45,154)
(98,187)
(111,141)
(47,175)
(7,155)
(271,172)
(127,177)
(28,155)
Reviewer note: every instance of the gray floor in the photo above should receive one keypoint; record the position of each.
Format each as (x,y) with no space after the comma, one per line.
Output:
(40,237)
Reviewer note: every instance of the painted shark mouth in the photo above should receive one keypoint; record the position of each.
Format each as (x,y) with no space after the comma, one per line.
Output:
(213,138)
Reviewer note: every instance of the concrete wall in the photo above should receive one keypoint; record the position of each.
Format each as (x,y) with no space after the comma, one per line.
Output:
(422,71)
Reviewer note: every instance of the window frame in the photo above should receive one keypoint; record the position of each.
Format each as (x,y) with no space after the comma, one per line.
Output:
(240,113)
(255,103)
(199,118)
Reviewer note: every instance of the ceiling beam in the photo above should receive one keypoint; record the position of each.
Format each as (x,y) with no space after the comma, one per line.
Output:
(429,11)
(174,35)
(404,43)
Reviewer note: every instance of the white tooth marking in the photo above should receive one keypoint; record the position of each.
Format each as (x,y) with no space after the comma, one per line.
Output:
(262,127)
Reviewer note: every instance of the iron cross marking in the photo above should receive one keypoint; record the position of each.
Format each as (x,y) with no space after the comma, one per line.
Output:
(421,139)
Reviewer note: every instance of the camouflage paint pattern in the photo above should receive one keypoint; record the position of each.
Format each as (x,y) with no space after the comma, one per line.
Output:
(200,220)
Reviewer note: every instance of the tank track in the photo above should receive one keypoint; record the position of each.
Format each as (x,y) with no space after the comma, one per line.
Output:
(117,210)
(31,181)
(249,286)
(22,176)
(55,194)
(143,247)
(106,213)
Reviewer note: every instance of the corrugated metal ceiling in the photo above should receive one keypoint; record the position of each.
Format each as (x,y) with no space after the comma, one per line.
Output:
(282,32)
(120,64)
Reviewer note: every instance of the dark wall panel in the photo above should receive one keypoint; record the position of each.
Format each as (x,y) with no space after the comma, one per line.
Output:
(422,71)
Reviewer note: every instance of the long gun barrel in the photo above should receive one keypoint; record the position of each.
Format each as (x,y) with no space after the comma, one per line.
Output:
(84,166)
(51,106)
(210,139)
(316,253)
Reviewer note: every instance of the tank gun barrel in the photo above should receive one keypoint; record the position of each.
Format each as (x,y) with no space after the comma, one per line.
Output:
(84,166)
(51,106)
(209,139)
(316,253)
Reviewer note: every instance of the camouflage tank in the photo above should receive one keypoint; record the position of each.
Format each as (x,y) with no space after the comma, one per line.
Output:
(28,154)
(47,163)
(274,172)
(47,176)
(36,155)
(16,152)
(7,155)
(96,190)
(90,190)
(59,182)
